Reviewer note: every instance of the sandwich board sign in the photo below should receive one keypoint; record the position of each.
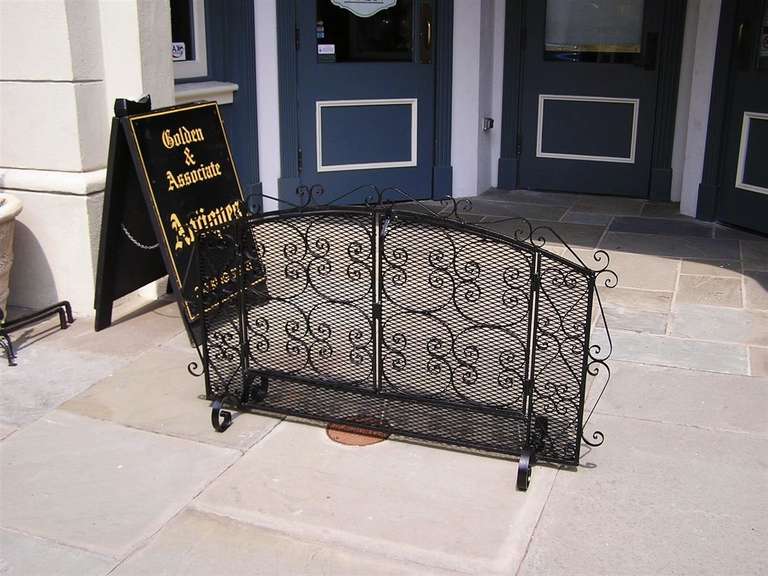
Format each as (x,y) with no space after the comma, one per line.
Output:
(170,177)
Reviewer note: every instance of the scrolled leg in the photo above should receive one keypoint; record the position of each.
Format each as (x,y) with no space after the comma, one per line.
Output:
(524,466)
(220,419)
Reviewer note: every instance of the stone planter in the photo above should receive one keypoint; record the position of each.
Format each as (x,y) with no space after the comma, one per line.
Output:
(10,207)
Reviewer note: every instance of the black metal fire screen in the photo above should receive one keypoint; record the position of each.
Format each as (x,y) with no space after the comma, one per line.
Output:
(404,318)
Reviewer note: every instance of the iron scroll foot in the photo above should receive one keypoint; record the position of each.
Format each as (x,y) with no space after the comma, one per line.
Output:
(220,419)
(524,466)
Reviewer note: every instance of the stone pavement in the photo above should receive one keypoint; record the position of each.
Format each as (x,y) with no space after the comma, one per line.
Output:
(108,463)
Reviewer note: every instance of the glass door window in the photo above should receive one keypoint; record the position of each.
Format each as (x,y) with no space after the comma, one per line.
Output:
(593,30)
(385,36)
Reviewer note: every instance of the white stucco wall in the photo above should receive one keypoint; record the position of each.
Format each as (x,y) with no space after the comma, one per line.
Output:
(478,60)
(684,97)
(465,96)
(268,109)
(497,86)
(702,66)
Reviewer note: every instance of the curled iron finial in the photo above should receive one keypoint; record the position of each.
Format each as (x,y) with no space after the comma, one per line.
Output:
(308,195)
(462,205)
(195,369)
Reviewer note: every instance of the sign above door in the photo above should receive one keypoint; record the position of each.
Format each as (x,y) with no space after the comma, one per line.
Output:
(364,8)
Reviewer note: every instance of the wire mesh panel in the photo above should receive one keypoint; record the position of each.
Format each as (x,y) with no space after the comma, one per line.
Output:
(562,316)
(455,315)
(315,321)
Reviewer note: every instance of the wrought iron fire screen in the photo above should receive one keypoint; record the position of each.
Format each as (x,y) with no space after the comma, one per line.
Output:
(413,319)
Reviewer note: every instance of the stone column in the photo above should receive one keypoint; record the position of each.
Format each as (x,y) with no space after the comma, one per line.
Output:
(62,63)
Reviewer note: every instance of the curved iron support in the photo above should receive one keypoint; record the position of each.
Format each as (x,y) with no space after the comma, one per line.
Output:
(220,419)
(597,355)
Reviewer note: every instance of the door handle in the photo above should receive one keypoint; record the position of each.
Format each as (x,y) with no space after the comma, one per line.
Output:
(425,32)
(742,54)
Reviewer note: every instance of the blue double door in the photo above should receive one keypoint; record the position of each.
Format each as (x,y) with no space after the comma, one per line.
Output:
(366,95)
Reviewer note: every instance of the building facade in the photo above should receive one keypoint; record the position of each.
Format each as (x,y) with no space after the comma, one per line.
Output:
(663,100)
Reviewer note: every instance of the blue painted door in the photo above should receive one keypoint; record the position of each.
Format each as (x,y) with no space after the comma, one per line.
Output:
(588,101)
(744,187)
(366,83)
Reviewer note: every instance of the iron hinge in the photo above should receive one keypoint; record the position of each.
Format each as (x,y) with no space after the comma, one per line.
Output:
(536,282)
(300,160)
(297,38)
(523,38)
(377,310)
(519,145)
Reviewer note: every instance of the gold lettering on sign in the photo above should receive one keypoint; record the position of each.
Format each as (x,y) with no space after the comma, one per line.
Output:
(201,220)
(182,179)
(181,137)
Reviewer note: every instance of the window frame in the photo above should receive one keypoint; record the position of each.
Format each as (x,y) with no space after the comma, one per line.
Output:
(197,68)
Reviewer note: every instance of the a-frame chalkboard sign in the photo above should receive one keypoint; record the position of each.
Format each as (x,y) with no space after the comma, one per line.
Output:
(170,176)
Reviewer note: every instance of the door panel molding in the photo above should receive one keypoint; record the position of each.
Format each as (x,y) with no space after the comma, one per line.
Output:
(540,153)
(746,124)
(413,137)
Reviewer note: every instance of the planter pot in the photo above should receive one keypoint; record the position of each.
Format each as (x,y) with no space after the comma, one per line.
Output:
(10,207)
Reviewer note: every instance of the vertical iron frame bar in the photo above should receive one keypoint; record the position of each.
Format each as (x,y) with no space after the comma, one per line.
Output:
(533,307)
(376,282)
(245,354)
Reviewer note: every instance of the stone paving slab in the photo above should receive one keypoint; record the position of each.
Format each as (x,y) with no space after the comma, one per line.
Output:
(756,290)
(46,376)
(432,506)
(722,324)
(6,430)
(687,397)
(531,197)
(155,392)
(707,267)
(663,226)
(576,217)
(623,318)
(676,352)
(640,271)
(608,205)
(758,361)
(647,300)
(23,555)
(657,499)
(675,247)
(710,290)
(99,486)
(195,543)
(138,324)
(496,209)
(755,255)
(662,210)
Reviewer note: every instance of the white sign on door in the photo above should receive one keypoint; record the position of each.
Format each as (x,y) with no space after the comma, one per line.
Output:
(364,8)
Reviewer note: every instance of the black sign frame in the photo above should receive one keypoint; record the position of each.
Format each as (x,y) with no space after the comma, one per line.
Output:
(125,263)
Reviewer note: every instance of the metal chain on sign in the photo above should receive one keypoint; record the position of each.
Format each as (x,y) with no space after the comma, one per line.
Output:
(136,242)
